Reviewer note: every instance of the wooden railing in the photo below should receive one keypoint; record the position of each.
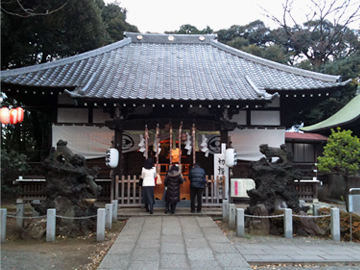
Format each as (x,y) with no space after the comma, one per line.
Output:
(128,190)
(307,190)
(33,189)
(129,193)
(214,191)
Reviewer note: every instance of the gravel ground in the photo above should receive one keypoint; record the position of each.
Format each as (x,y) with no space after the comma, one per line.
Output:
(275,240)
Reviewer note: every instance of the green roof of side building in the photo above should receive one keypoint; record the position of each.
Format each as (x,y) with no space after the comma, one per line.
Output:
(346,116)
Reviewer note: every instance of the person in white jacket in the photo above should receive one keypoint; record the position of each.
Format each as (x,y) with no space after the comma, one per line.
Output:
(148,174)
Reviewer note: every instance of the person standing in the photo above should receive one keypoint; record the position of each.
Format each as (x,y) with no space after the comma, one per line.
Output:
(172,182)
(148,174)
(197,186)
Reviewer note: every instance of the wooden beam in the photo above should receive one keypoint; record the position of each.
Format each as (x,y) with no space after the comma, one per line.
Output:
(139,124)
(118,170)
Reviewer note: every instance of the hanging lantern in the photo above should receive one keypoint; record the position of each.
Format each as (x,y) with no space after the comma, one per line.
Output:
(5,115)
(20,114)
(13,116)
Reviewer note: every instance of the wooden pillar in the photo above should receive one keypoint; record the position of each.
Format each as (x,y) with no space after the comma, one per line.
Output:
(224,137)
(118,170)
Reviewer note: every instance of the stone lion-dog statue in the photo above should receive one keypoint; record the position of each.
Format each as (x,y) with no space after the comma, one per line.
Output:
(280,152)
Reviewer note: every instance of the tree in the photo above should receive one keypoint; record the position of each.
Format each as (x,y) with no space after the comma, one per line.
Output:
(341,155)
(323,43)
(13,164)
(190,29)
(325,35)
(257,39)
(114,18)
(29,9)
(32,136)
(255,33)
(37,37)
(348,68)
(76,28)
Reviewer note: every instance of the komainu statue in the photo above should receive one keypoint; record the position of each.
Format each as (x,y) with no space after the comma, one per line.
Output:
(71,190)
(281,153)
(274,186)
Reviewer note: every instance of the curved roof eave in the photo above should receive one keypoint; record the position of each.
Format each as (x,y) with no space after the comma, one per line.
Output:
(76,94)
(346,115)
(275,65)
(67,60)
(324,88)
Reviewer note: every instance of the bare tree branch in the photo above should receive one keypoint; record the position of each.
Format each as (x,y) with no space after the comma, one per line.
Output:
(324,33)
(29,12)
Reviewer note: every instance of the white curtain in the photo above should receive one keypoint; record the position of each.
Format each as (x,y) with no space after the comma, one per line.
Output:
(247,141)
(90,142)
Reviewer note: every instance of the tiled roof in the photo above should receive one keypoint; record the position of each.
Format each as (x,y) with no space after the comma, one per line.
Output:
(152,66)
(348,114)
(304,136)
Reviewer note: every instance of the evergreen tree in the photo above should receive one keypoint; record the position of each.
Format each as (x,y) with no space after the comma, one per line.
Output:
(342,156)
(79,26)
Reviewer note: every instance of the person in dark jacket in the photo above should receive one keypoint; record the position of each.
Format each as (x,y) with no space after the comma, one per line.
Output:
(197,185)
(172,182)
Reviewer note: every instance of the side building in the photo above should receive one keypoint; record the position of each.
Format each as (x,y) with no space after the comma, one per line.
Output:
(347,118)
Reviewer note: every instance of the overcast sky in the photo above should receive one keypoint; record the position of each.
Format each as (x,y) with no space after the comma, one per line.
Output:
(157,16)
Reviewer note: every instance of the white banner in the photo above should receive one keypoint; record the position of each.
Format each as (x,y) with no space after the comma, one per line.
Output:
(247,141)
(92,142)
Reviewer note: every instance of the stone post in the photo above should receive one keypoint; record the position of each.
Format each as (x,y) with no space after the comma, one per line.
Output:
(50,225)
(240,222)
(20,210)
(232,214)
(225,213)
(316,208)
(114,210)
(288,223)
(335,224)
(34,212)
(100,227)
(108,216)
(301,203)
(3,214)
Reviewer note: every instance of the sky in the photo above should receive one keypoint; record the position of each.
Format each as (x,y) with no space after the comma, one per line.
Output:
(158,16)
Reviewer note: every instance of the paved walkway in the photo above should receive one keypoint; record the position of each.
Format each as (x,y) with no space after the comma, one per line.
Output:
(172,242)
(196,242)
(329,253)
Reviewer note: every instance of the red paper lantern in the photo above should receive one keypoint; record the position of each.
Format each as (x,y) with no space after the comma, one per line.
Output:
(16,115)
(13,116)
(5,115)
(20,114)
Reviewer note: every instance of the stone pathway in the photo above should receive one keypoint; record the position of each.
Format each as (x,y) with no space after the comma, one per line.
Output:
(173,242)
